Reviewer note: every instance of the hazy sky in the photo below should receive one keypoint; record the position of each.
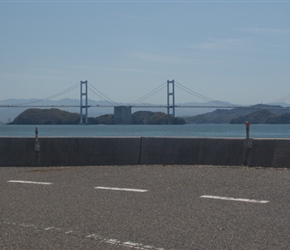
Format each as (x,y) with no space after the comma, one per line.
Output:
(235,51)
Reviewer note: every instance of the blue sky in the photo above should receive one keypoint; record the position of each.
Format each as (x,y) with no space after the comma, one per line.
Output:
(235,51)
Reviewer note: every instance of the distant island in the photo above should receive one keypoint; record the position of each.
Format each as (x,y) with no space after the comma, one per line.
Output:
(256,114)
(56,116)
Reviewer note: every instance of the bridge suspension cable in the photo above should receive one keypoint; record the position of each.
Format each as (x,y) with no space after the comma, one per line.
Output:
(52,96)
(101,95)
(151,93)
(191,92)
(282,99)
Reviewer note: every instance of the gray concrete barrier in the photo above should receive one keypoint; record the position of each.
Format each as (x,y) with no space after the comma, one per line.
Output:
(270,153)
(73,151)
(76,151)
(192,151)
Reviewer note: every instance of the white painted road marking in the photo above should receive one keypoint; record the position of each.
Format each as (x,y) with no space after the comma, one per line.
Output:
(127,244)
(30,182)
(122,189)
(233,199)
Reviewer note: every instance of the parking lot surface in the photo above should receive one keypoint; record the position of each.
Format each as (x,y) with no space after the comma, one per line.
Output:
(144,207)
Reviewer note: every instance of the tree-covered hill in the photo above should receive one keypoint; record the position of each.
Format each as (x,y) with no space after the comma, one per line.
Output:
(281,119)
(103,119)
(46,116)
(57,116)
(255,114)
(148,117)
(257,117)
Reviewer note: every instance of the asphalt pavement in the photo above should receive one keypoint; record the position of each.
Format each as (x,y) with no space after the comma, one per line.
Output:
(144,207)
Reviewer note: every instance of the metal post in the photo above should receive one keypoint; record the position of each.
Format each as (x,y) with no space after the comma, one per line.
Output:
(248,145)
(37,148)
(248,130)
(36,143)
(249,141)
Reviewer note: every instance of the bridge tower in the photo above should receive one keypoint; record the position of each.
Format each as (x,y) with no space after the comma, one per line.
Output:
(84,102)
(170,98)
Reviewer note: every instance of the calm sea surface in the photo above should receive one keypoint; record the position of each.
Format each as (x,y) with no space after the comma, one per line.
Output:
(189,130)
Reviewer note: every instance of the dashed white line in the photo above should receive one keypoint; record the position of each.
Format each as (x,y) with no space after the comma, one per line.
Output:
(113,241)
(30,182)
(233,199)
(123,189)
(130,244)
(127,244)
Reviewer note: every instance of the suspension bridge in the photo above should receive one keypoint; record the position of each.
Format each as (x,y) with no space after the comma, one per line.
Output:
(123,111)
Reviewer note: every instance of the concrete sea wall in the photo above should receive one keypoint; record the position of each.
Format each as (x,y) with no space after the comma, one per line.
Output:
(78,151)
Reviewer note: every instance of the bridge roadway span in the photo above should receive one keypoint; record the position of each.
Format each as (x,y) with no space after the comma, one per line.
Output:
(144,207)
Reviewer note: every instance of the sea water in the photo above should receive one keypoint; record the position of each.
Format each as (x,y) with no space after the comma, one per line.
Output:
(188,130)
